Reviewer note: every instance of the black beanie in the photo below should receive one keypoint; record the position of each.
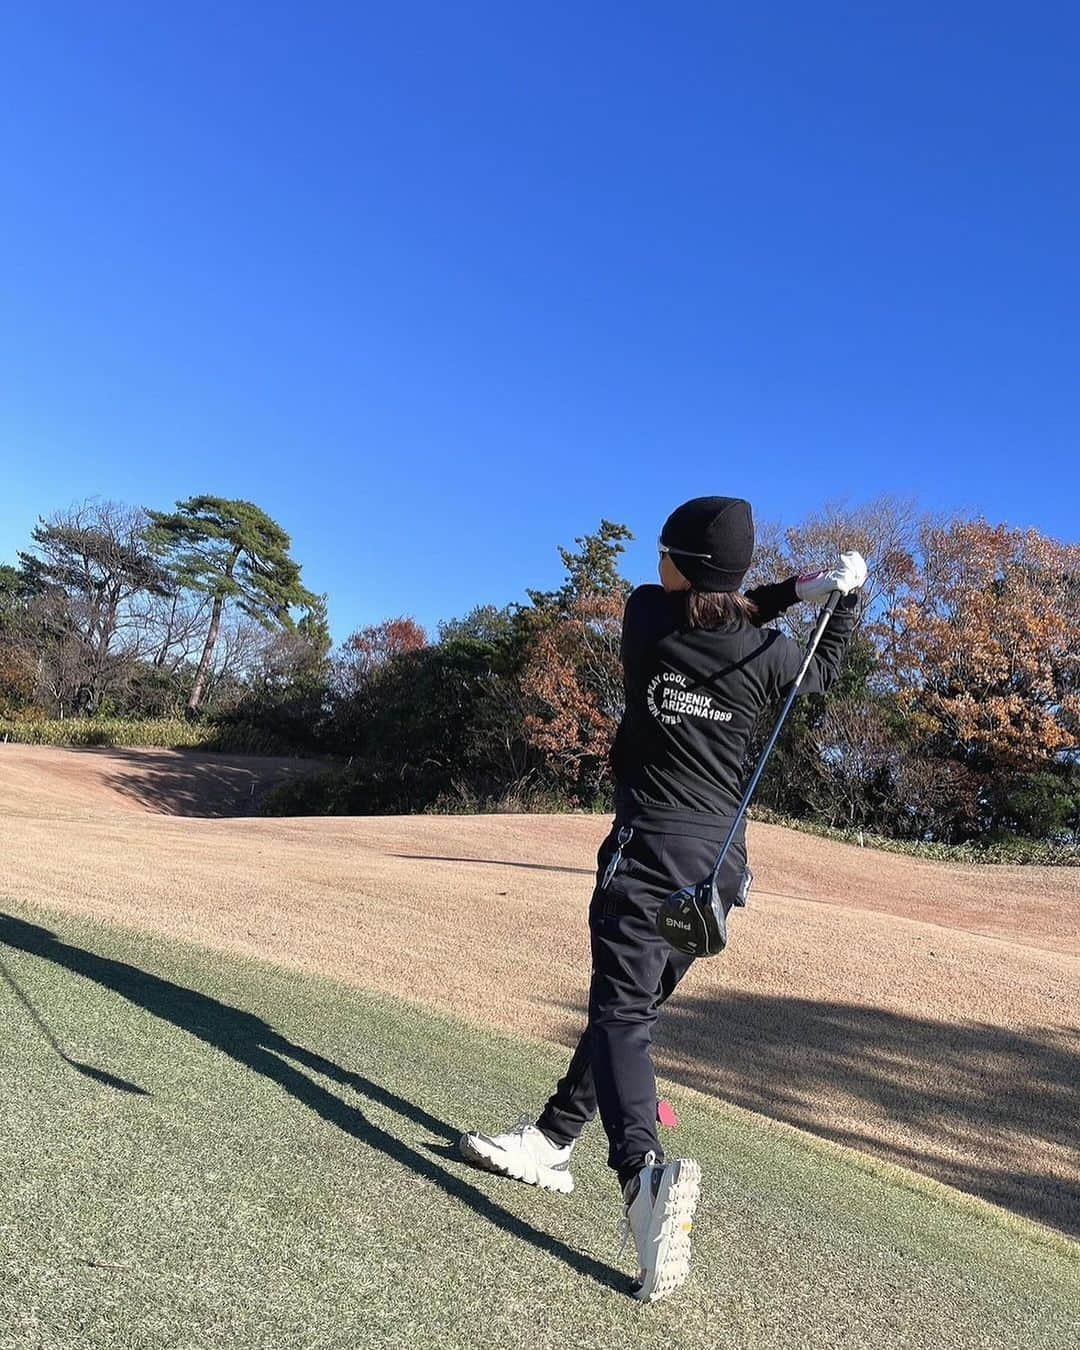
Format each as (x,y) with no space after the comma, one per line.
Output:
(722,528)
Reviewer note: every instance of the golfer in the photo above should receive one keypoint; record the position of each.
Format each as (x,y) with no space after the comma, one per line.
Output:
(698,670)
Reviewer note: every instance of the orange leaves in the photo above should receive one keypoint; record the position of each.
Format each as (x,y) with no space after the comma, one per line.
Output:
(365,650)
(988,641)
(572,682)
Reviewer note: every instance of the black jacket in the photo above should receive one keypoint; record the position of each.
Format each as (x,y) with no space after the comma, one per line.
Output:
(693,695)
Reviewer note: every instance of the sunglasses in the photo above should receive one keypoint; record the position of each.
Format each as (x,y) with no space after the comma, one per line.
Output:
(684,552)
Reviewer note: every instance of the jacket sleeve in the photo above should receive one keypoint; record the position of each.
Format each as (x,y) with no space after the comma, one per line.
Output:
(825,665)
(772,600)
(644,607)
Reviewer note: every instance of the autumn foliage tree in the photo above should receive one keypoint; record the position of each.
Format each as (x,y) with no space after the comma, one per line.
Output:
(368,649)
(988,658)
(956,715)
(955,706)
(572,684)
(571,676)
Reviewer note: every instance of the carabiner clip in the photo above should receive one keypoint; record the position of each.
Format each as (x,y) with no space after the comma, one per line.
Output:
(626,833)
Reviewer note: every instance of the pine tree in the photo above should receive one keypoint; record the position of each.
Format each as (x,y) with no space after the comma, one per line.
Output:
(235,553)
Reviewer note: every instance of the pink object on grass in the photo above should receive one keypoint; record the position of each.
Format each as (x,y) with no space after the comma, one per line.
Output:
(665,1113)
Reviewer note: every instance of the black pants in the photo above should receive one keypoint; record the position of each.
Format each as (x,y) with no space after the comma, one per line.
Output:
(634,971)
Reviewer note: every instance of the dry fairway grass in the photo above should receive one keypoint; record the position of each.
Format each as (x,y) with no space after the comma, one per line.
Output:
(924,1013)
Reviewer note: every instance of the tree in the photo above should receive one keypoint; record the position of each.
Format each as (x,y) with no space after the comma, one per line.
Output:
(484,623)
(91,564)
(593,569)
(233,552)
(287,659)
(368,649)
(176,627)
(17,659)
(1044,805)
(14,592)
(423,726)
(570,667)
(275,683)
(572,684)
(885,530)
(986,658)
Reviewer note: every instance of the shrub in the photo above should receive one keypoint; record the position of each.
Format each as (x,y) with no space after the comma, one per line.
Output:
(166,733)
(999,849)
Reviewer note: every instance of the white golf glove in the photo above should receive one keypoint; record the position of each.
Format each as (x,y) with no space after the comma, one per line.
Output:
(848,575)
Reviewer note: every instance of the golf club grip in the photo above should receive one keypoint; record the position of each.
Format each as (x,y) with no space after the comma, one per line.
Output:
(793,693)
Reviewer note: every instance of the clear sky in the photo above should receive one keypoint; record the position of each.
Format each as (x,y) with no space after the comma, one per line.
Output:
(440,285)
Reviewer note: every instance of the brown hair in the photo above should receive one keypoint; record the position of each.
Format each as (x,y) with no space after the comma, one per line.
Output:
(718,609)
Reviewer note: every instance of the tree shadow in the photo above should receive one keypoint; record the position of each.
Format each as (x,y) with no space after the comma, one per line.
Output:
(195,782)
(257,1046)
(988,1109)
(496,862)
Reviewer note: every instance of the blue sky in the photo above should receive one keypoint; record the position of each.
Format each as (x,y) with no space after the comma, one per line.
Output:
(440,286)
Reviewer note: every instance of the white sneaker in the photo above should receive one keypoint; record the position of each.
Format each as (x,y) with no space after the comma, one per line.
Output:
(523,1153)
(660,1203)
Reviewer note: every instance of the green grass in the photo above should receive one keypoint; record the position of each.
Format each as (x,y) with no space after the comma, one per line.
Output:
(270,1166)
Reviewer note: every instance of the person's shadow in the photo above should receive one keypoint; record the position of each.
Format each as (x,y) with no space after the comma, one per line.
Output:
(255,1044)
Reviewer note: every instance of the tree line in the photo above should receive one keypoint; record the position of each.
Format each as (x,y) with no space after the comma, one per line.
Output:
(955,717)
(143,613)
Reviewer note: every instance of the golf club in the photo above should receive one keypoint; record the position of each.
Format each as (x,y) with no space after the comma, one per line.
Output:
(87,1070)
(692,920)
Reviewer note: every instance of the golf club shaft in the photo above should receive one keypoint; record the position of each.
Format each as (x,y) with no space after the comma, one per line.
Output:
(811,647)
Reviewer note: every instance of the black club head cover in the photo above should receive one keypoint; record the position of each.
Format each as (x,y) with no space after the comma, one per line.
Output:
(692,920)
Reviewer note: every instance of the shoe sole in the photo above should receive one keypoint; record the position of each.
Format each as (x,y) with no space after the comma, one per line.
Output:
(669,1232)
(546,1178)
